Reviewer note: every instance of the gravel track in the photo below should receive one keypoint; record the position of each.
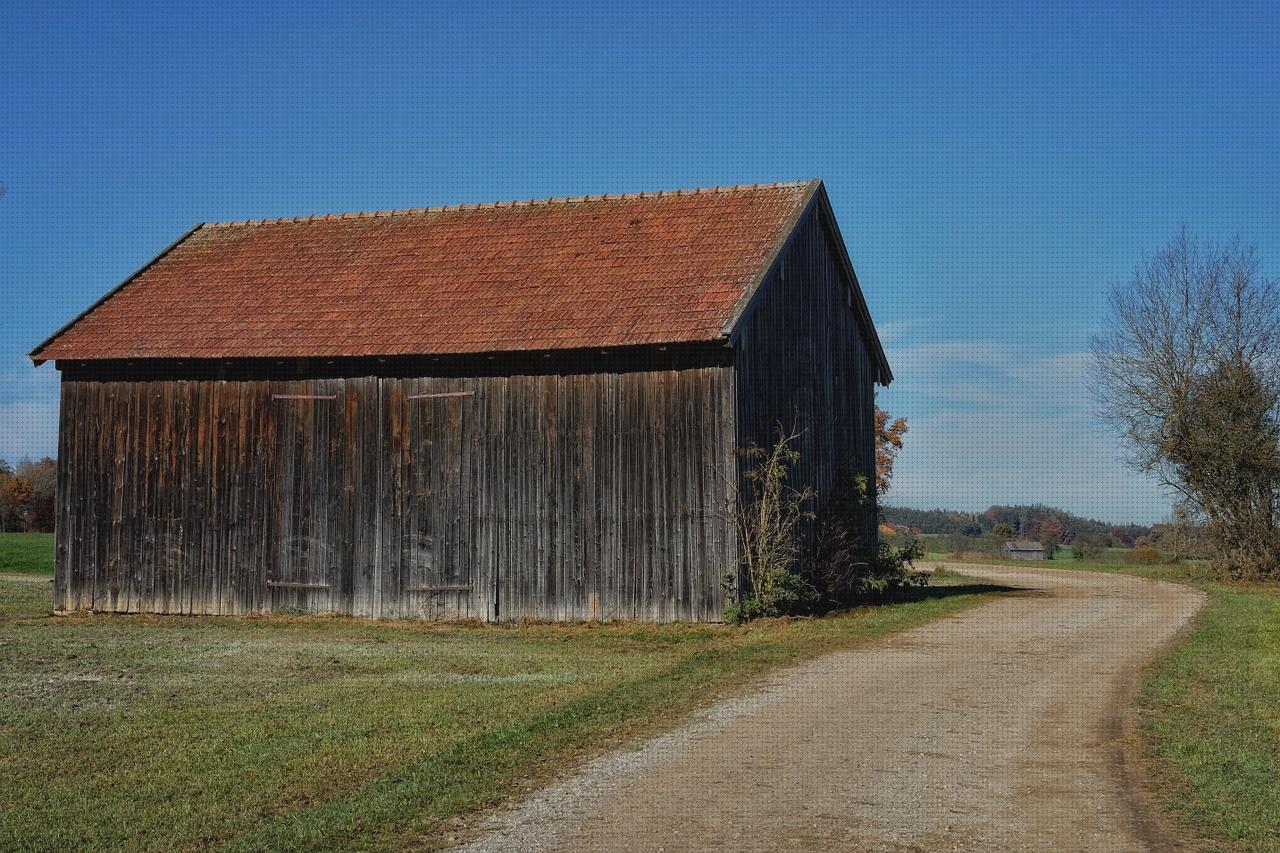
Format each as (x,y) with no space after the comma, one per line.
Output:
(1006,727)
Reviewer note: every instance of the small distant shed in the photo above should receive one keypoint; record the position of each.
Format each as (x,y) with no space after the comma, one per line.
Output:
(1024,549)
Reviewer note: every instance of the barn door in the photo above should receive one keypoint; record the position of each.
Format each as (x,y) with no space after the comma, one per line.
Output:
(434,498)
(312,511)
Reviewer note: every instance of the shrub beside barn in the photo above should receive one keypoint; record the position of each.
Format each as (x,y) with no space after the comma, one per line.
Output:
(508,411)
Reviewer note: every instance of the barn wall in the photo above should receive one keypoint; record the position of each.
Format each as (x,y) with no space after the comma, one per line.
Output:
(803,365)
(582,496)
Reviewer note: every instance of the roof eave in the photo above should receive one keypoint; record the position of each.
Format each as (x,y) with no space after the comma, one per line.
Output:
(785,236)
(35,355)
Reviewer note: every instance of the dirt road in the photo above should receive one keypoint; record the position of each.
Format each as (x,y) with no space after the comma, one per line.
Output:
(1003,728)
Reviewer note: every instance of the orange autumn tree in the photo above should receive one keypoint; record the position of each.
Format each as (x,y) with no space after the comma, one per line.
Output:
(888,442)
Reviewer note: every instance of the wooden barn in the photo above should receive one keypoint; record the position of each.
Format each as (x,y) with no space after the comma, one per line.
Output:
(506,411)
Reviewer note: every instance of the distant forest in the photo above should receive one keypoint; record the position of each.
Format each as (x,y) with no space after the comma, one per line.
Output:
(26,496)
(1026,521)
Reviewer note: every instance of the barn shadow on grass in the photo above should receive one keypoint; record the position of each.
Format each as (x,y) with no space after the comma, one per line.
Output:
(910,594)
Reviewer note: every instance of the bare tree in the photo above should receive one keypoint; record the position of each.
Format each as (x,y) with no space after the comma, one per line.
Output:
(1188,371)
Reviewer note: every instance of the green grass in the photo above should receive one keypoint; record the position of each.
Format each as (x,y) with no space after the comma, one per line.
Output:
(314,733)
(1211,715)
(1210,711)
(1109,560)
(26,553)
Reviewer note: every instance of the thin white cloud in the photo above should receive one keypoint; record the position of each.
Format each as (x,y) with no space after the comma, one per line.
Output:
(898,329)
(989,424)
(970,460)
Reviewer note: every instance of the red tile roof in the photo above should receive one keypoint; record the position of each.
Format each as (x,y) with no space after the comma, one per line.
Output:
(555,274)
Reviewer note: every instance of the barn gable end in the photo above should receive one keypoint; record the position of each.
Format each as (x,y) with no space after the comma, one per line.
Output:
(488,413)
(806,362)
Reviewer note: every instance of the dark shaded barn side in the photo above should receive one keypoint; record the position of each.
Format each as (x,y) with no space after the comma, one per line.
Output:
(804,365)
(553,482)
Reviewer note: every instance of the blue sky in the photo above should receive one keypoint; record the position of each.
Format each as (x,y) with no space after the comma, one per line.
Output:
(994,169)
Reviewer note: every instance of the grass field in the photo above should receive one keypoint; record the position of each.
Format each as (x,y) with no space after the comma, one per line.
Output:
(938,548)
(328,732)
(1210,711)
(26,553)
(331,732)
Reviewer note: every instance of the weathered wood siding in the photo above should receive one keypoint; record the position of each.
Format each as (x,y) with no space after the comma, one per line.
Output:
(804,365)
(568,497)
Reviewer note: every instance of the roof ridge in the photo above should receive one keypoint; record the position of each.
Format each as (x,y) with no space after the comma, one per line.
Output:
(498,205)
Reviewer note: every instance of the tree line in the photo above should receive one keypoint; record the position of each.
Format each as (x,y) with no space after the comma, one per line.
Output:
(26,496)
(1024,521)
